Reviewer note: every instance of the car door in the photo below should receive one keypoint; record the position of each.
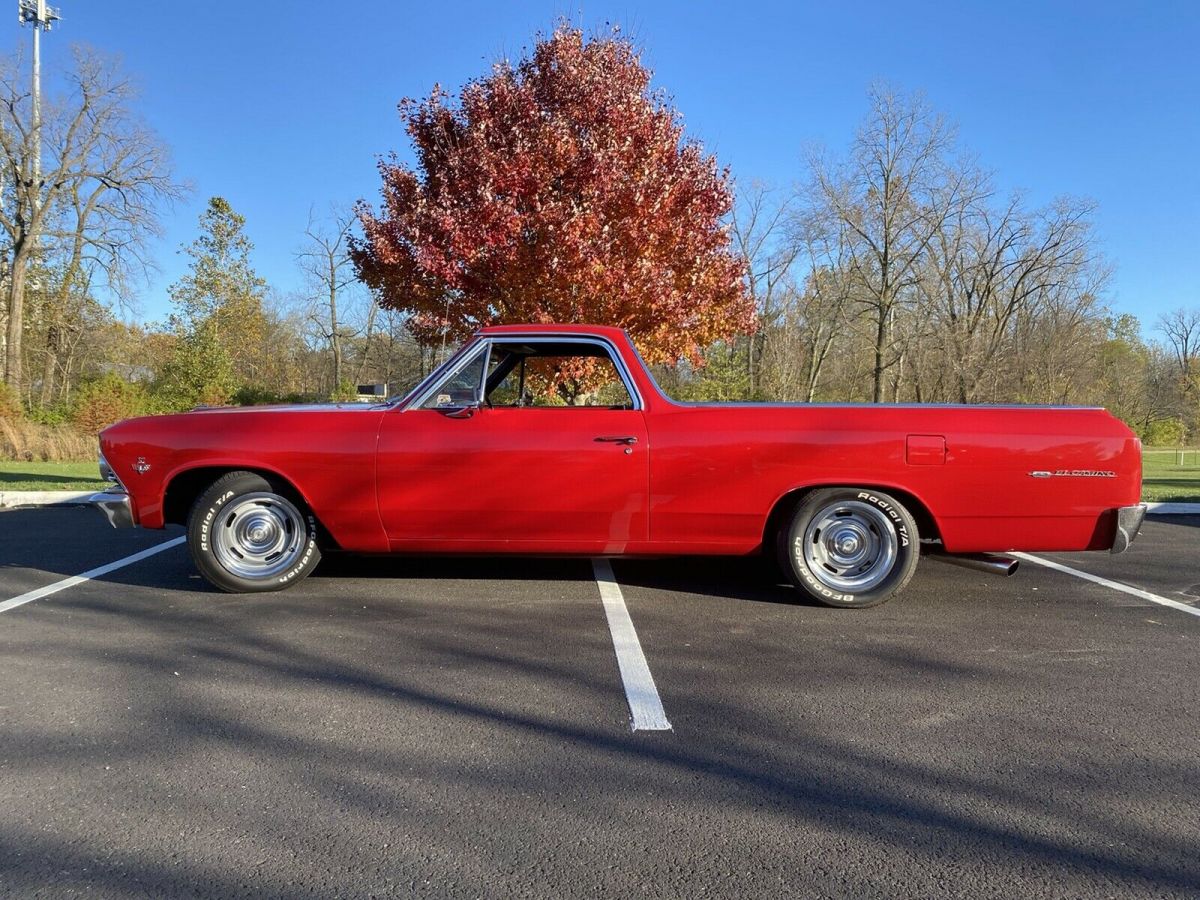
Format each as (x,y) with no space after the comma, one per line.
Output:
(520,478)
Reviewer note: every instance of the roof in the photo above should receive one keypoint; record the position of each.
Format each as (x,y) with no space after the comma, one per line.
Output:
(599,330)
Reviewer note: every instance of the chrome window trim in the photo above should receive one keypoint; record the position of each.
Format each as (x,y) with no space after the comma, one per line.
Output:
(486,342)
(618,361)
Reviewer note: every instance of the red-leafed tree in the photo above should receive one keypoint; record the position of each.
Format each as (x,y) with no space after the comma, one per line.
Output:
(560,189)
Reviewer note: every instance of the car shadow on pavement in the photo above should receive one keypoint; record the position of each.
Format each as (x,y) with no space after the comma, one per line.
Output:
(742,578)
(265,731)
(1186,521)
(756,578)
(336,565)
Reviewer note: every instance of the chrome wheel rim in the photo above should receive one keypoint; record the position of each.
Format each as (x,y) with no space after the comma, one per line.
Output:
(850,546)
(259,536)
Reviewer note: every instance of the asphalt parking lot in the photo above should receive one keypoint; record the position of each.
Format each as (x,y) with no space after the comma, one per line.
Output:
(459,727)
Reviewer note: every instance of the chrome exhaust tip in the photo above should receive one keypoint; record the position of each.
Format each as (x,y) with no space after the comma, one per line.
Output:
(981,562)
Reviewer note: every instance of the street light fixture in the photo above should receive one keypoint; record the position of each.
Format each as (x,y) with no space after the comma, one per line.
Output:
(41,17)
(37,11)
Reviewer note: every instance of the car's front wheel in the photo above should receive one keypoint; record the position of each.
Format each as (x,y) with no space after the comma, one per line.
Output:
(850,547)
(246,534)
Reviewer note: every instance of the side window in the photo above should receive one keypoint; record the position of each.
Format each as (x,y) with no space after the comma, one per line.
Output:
(557,375)
(461,388)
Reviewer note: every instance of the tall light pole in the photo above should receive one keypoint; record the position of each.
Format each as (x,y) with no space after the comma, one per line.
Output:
(40,16)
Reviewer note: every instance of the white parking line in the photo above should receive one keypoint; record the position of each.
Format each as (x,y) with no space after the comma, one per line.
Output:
(1115,585)
(645,706)
(88,575)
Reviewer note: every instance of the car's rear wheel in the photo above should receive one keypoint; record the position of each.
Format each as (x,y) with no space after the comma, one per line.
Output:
(247,534)
(850,547)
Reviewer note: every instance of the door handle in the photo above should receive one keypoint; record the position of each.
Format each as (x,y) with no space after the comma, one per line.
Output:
(618,439)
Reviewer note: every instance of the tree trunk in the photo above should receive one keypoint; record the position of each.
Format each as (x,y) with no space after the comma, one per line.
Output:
(68,363)
(335,334)
(750,371)
(361,372)
(821,346)
(53,348)
(50,362)
(16,319)
(880,346)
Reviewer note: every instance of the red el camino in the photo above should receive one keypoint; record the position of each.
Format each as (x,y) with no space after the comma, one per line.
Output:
(485,456)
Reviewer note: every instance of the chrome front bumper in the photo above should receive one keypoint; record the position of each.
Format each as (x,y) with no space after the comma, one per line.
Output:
(1129,522)
(116,507)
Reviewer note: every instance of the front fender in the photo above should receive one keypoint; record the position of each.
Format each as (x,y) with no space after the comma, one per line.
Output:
(156,506)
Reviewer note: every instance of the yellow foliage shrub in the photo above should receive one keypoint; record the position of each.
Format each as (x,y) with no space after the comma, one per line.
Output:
(105,401)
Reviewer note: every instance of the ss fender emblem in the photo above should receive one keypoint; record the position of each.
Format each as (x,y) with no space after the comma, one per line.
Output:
(141,466)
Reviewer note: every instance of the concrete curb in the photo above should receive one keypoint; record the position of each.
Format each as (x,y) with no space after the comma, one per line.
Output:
(1173,509)
(13,499)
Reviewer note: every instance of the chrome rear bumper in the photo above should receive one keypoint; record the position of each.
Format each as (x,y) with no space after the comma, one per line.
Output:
(116,507)
(1129,522)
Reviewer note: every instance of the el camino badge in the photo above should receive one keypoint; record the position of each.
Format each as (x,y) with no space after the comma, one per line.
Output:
(1074,473)
(141,466)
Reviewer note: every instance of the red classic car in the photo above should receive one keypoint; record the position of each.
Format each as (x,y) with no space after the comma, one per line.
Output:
(490,454)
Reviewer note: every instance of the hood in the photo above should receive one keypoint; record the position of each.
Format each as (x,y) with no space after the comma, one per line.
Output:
(289,407)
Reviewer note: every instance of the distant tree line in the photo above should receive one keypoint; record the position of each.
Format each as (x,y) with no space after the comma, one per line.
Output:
(900,273)
(561,187)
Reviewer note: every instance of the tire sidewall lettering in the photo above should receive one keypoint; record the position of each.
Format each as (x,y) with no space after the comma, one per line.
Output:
(811,580)
(206,522)
(896,515)
(891,512)
(309,549)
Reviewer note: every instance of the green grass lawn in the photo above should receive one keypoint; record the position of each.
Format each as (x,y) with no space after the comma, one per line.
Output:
(49,476)
(1163,477)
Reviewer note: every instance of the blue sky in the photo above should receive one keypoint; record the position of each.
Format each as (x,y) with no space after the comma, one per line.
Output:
(283,106)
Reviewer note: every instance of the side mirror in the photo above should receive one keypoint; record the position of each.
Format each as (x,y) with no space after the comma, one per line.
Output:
(463,411)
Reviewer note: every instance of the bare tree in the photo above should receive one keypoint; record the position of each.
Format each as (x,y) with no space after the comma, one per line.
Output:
(100,188)
(894,194)
(389,353)
(822,308)
(989,265)
(1182,329)
(325,260)
(367,342)
(1135,380)
(760,233)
